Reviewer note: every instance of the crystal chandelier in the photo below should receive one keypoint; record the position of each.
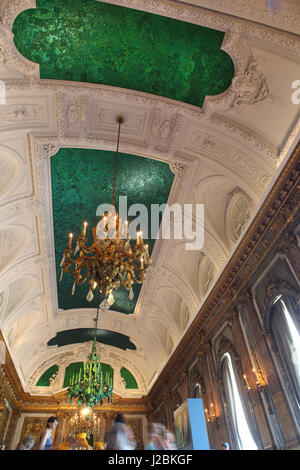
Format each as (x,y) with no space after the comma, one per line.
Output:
(110,262)
(89,386)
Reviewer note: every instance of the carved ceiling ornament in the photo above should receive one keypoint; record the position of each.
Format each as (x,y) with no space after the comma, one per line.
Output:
(231,317)
(162,128)
(275,287)
(244,298)
(204,349)
(17,113)
(177,168)
(251,87)
(207,274)
(237,213)
(289,239)
(249,136)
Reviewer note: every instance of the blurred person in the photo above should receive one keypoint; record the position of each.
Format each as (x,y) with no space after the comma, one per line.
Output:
(170,440)
(46,439)
(157,437)
(119,436)
(26,443)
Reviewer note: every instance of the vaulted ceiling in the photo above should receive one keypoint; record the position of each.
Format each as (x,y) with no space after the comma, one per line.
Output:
(205,88)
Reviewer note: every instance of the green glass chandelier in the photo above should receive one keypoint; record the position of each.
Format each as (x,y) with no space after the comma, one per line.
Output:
(90,386)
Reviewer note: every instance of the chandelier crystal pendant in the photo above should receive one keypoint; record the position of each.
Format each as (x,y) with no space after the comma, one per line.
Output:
(110,262)
(90,385)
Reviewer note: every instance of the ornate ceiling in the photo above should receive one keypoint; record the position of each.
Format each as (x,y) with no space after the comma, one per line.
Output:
(123,47)
(225,154)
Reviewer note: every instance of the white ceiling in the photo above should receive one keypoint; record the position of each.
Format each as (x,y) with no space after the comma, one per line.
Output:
(224,155)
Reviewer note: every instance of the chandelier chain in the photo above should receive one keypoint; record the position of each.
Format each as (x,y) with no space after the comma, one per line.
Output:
(119,120)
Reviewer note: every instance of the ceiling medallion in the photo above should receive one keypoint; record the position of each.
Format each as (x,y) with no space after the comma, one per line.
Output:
(89,386)
(110,262)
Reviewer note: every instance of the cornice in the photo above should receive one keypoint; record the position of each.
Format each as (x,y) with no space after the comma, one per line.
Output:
(271,216)
(219,20)
(285,16)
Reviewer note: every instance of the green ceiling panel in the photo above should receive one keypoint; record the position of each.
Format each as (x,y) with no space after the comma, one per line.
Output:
(81,181)
(44,380)
(75,367)
(128,378)
(82,335)
(90,41)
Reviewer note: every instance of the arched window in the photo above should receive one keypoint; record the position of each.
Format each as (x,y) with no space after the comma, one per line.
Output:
(237,413)
(286,332)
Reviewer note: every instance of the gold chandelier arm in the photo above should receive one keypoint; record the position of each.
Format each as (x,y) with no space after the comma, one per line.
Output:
(138,280)
(76,272)
(138,253)
(86,249)
(81,281)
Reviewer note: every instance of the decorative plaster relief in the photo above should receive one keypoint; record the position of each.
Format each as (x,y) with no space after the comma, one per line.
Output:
(165,129)
(237,213)
(250,87)
(102,121)
(248,136)
(21,111)
(69,115)
(259,174)
(231,156)
(208,273)
(178,169)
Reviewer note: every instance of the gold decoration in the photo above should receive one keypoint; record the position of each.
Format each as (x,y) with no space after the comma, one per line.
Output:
(276,285)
